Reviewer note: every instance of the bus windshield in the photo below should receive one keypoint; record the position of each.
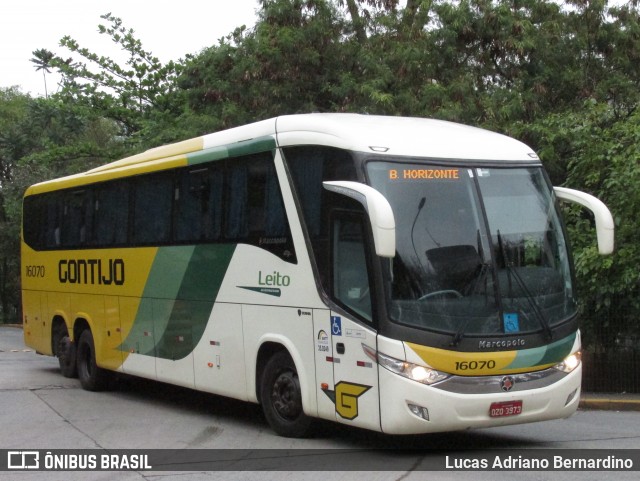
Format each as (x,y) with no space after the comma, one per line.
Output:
(480,251)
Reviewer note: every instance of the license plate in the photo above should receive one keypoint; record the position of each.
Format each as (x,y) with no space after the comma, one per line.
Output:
(507,408)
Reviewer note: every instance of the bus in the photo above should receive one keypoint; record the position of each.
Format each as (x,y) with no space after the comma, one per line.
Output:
(402,275)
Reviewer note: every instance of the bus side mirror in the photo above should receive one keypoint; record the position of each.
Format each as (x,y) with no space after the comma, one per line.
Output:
(383,223)
(604,220)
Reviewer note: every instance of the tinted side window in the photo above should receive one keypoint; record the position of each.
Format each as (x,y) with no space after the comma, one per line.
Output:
(255,212)
(111,213)
(54,220)
(309,167)
(237,227)
(233,200)
(198,211)
(152,209)
(77,218)
(35,216)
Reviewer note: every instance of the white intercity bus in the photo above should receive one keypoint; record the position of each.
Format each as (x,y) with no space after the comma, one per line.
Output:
(402,275)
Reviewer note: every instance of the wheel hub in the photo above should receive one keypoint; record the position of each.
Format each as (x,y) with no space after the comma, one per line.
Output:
(285,396)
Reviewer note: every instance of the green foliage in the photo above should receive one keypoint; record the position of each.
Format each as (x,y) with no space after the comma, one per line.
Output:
(126,94)
(290,62)
(602,157)
(40,139)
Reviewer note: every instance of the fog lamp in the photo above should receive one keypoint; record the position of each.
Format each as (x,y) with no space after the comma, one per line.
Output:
(571,397)
(419,411)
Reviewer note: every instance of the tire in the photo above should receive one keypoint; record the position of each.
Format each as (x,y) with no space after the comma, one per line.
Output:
(92,377)
(66,353)
(65,350)
(282,399)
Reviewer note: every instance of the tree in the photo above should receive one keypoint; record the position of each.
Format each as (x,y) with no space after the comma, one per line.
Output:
(125,93)
(42,59)
(40,139)
(293,61)
(602,153)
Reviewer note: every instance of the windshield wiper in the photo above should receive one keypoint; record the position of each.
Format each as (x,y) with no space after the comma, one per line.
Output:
(482,275)
(511,271)
(413,226)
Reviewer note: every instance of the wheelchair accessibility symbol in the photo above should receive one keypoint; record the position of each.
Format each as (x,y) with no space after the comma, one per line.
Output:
(336,325)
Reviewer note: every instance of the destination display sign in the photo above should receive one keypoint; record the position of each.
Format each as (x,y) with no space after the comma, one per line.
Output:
(424,174)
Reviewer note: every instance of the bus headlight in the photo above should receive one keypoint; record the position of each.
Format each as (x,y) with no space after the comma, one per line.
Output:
(570,362)
(409,370)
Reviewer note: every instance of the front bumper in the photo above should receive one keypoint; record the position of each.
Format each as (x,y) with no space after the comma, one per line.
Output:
(463,403)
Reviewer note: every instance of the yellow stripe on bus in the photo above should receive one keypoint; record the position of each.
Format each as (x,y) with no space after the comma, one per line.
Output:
(475,363)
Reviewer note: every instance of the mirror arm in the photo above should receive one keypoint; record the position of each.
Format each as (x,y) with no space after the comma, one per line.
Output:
(377,207)
(604,220)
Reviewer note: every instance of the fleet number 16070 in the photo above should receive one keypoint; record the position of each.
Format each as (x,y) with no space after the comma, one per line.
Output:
(34,271)
(473,365)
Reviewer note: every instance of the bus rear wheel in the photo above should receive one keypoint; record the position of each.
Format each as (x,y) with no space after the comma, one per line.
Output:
(92,377)
(282,399)
(67,357)
(64,350)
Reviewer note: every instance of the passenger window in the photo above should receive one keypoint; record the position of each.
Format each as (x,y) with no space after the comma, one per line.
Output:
(76,218)
(152,215)
(235,200)
(198,205)
(39,220)
(111,208)
(255,212)
(54,208)
(237,194)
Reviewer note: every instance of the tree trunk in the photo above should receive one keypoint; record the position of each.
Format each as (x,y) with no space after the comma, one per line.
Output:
(356,20)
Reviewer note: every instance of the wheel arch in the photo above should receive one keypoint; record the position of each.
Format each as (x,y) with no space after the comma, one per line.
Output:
(266,351)
(79,325)
(271,345)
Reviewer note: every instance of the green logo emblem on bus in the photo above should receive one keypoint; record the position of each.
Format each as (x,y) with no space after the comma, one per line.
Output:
(269,284)
(275,279)
(264,290)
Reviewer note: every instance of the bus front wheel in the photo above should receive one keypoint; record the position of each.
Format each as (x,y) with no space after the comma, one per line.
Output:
(92,377)
(282,399)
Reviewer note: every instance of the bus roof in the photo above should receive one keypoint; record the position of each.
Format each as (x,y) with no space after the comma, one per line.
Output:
(399,136)
(403,136)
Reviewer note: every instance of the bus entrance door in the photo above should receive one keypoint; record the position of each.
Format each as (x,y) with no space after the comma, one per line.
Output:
(324,363)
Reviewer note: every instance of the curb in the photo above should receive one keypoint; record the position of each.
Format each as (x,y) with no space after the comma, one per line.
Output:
(612,403)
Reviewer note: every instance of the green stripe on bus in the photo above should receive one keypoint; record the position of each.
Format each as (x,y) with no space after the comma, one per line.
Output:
(559,350)
(178,299)
(253,146)
(540,356)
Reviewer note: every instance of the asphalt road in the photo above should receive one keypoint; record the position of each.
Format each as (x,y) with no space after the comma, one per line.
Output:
(40,409)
